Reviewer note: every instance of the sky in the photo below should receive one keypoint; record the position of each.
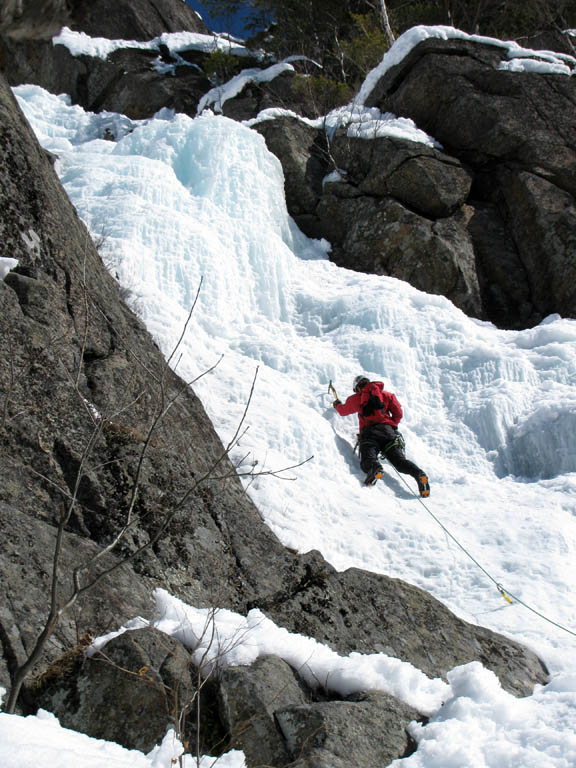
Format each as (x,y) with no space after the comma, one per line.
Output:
(234,24)
(490,416)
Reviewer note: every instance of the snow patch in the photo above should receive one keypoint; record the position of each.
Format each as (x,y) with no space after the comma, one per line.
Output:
(217,96)
(81,44)
(6,264)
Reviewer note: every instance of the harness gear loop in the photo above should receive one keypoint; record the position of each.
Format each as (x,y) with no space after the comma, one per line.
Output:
(398,442)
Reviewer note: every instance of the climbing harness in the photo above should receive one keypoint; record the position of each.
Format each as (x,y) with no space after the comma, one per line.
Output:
(397,443)
(382,453)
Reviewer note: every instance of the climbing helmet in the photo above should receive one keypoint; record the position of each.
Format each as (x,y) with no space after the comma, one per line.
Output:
(360,380)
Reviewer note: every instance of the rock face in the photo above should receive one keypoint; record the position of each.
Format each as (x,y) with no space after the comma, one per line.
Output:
(129,80)
(134,19)
(33,20)
(82,385)
(523,162)
(366,612)
(488,221)
(400,211)
(65,345)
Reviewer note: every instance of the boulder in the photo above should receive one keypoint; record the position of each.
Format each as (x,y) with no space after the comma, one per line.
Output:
(422,178)
(250,699)
(381,236)
(131,692)
(367,729)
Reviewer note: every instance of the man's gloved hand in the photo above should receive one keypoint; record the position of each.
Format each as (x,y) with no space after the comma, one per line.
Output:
(336,402)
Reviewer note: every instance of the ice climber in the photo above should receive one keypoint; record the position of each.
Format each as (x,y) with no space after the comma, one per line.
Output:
(379,414)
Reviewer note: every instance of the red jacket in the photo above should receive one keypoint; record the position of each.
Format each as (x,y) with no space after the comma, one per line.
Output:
(389,413)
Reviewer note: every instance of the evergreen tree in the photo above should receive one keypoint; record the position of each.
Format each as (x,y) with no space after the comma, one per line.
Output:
(318,28)
(349,37)
(327,31)
(498,18)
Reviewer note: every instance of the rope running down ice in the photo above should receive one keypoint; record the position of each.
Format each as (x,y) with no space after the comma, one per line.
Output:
(507,595)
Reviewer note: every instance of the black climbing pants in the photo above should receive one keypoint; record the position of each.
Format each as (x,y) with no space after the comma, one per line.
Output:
(385,439)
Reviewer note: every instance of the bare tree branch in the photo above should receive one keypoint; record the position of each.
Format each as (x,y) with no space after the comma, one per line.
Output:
(83,576)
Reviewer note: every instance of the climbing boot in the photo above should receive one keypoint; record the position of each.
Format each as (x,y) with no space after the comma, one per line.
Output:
(374,475)
(423,485)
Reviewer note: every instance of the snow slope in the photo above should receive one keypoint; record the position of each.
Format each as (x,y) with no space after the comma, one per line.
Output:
(489,414)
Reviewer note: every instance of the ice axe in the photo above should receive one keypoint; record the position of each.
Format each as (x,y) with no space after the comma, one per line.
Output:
(331,389)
